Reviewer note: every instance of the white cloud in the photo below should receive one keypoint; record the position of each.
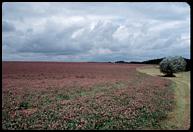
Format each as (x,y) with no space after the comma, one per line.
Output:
(77,33)
(121,33)
(95,31)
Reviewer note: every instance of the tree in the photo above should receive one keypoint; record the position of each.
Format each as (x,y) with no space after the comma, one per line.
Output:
(172,65)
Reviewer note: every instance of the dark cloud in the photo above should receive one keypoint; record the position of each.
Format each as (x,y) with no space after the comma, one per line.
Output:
(7,27)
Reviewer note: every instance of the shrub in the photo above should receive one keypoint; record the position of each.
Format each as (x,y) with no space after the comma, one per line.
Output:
(24,105)
(172,65)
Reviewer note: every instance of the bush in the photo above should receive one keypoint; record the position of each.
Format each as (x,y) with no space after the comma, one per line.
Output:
(24,105)
(172,65)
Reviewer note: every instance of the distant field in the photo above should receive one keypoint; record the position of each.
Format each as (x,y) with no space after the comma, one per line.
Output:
(37,95)
(179,118)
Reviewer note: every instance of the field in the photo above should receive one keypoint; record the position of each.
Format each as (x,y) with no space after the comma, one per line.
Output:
(45,95)
(179,118)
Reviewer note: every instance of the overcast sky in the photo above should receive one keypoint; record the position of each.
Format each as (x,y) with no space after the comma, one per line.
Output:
(94,31)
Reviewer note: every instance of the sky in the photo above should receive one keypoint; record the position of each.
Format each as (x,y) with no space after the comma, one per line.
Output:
(94,31)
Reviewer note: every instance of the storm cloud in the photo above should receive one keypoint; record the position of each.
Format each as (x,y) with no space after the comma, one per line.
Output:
(95,31)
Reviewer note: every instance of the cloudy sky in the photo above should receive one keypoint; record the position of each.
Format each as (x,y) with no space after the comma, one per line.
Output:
(94,31)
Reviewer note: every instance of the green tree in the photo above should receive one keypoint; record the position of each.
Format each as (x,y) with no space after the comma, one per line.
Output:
(172,65)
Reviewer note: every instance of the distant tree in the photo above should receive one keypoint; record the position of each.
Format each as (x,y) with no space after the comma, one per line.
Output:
(172,65)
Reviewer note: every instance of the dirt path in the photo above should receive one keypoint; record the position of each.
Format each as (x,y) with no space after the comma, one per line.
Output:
(180,117)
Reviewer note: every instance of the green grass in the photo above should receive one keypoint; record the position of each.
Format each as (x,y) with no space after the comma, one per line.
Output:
(63,96)
(179,118)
